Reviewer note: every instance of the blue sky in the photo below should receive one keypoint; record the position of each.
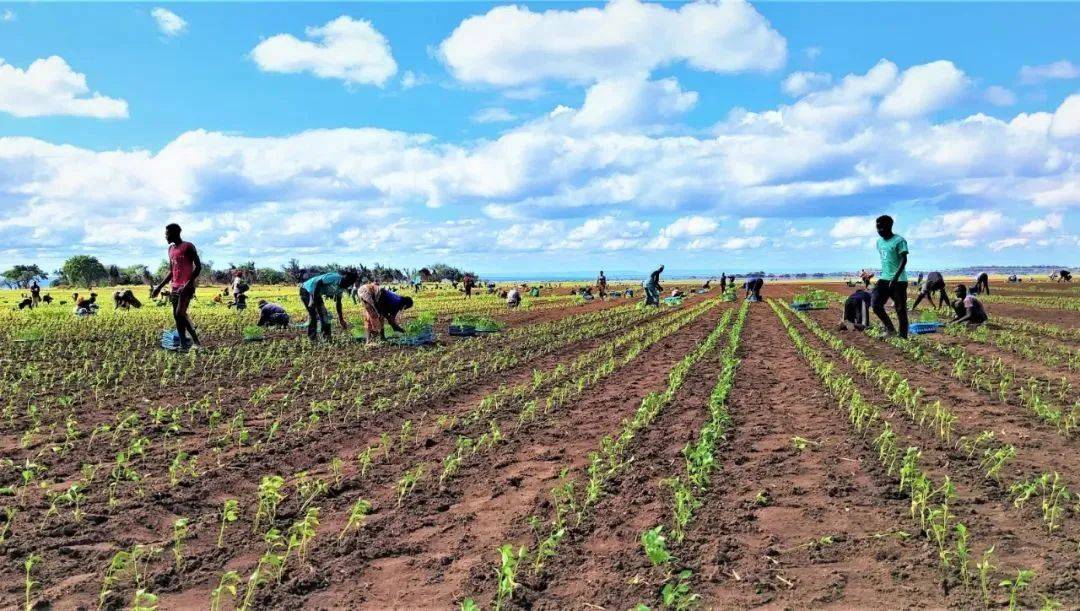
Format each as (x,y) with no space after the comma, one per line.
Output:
(551,136)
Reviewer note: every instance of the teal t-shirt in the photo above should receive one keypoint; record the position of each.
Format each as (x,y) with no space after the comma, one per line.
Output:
(330,287)
(891,250)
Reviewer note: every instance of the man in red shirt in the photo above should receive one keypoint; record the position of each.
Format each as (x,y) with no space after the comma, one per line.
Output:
(184,268)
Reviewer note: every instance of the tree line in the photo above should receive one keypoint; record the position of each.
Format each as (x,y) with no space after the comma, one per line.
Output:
(86,270)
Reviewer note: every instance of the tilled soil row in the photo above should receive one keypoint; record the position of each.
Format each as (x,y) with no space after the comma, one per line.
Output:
(759,538)
(148,522)
(440,547)
(1019,539)
(1039,446)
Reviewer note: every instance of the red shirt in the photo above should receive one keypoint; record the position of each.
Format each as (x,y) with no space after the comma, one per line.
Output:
(182,260)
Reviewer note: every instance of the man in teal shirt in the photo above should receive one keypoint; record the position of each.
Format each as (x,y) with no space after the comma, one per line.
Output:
(312,292)
(892,282)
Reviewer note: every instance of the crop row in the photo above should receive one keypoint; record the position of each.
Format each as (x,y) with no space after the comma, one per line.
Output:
(1036,349)
(940,420)
(1069,304)
(575,498)
(565,384)
(687,489)
(1045,399)
(930,500)
(306,489)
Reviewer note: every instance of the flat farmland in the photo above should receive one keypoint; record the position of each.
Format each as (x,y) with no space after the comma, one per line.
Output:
(600,454)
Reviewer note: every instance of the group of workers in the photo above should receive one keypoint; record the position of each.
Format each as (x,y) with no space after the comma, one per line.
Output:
(892,285)
(381,306)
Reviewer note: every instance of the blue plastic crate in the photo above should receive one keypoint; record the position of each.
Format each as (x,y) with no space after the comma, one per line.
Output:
(921,328)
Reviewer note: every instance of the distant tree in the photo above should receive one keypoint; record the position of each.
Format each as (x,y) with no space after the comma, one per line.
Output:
(84,270)
(136,274)
(293,271)
(21,276)
(442,271)
(269,275)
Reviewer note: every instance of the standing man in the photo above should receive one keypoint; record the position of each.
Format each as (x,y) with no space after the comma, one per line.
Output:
(723,282)
(35,293)
(184,268)
(892,283)
(601,285)
(653,288)
(312,292)
(982,284)
(468,282)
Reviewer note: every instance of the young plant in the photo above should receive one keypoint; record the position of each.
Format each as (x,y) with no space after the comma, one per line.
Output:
(28,583)
(269,497)
(506,573)
(144,601)
(1016,585)
(985,567)
(180,534)
(655,545)
(228,584)
(357,515)
(230,513)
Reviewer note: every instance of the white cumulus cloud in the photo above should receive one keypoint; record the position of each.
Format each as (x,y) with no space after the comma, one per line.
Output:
(1040,226)
(999,96)
(1059,70)
(50,87)
(924,89)
(169,22)
(798,84)
(632,102)
(750,223)
(347,49)
(512,45)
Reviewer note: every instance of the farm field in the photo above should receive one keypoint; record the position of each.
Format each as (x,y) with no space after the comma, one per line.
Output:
(713,454)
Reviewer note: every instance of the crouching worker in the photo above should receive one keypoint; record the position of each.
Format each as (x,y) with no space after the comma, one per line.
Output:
(85,306)
(272,315)
(125,300)
(513,298)
(857,311)
(968,308)
(381,306)
(312,293)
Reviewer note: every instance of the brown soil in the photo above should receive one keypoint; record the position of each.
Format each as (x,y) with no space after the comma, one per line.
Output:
(439,546)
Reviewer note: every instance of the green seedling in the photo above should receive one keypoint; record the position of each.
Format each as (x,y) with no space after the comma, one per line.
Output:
(655,545)
(1016,586)
(28,583)
(230,513)
(228,584)
(506,574)
(357,515)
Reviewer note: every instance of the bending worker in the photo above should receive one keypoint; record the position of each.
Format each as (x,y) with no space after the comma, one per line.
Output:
(752,288)
(982,284)
(272,315)
(125,299)
(312,292)
(857,311)
(381,306)
(653,288)
(513,298)
(935,283)
(968,308)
